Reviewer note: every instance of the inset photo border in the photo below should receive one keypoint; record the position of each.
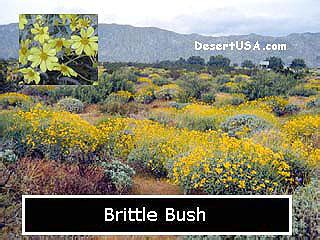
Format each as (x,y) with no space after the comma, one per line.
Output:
(58,49)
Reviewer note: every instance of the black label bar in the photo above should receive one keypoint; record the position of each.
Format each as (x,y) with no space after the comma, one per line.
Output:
(156,215)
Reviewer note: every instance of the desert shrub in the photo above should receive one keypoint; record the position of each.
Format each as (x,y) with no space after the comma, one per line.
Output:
(160,81)
(208,97)
(14,99)
(226,165)
(85,93)
(6,119)
(243,125)
(120,175)
(208,161)
(276,104)
(178,105)
(120,80)
(305,128)
(200,123)
(71,105)
(7,156)
(306,209)
(88,93)
(222,79)
(60,92)
(51,134)
(237,99)
(120,96)
(203,117)
(38,90)
(52,177)
(314,103)
(180,119)
(193,87)
(120,103)
(148,157)
(145,97)
(168,92)
(302,91)
(115,107)
(268,84)
(291,109)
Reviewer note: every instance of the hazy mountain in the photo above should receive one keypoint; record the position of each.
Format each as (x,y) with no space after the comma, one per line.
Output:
(127,43)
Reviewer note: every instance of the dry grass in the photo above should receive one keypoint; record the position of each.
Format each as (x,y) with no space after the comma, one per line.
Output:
(91,114)
(300,101)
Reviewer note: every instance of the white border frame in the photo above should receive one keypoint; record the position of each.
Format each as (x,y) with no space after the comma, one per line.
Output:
(156,233)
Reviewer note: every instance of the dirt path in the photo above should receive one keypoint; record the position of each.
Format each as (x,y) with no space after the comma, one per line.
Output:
(149,185)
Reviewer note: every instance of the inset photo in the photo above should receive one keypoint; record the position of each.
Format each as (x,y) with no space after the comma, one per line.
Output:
(58,49)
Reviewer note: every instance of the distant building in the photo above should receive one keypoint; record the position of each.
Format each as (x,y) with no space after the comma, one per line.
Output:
(264,64)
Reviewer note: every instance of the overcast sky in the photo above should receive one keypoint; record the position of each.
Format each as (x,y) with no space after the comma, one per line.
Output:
(209,17)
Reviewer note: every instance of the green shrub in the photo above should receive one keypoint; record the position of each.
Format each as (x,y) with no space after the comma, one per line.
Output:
(208,97)
(71,105)
(148,157)
(302,91)
(193,87)
(291,109)
(160,81)
(114,107)
(145,98)
(222,79)
(237,99)
(85,93)
(88,93)
(60,92)
(120,80)
(314,103)
(7,156)
(13,99)
(266,84)
(243,125)
(120,175)
(121,97)
(168,92)
(6,118)
(306,209)
(38,90)
(178,105)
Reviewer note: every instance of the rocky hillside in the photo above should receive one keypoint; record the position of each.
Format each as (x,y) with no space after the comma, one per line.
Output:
(127,43)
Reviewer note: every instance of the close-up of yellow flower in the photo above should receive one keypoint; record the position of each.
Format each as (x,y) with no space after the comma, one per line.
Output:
(22,21)
(30,75)
(23,51)
(84,23)
(73,22)
(86,42)
(58,43)
(65,70)
(41,33)
(44,56)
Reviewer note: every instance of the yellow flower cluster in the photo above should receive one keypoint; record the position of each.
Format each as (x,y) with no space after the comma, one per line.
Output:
(13,99)
(215,115)
(144,80)
(205,160)
(62,131)
(303,135)
(229,165)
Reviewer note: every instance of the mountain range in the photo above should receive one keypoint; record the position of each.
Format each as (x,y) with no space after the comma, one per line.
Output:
(125,43)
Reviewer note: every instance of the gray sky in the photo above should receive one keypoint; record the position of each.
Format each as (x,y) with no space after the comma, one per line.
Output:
(208,17)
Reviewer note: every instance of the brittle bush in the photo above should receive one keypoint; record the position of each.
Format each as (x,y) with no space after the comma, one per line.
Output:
(47,129)
(14,99)
(202,160)
(209,161)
